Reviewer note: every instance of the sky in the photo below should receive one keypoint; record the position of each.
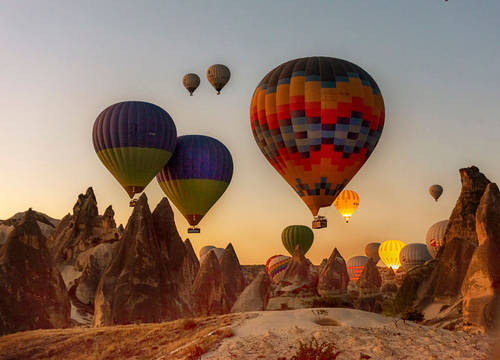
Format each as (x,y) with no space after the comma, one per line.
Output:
(436,63)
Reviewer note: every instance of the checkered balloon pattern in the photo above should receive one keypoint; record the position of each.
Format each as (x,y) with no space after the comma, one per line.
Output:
(317,120)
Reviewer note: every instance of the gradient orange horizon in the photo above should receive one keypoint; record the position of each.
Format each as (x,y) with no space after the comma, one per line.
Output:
(436,64)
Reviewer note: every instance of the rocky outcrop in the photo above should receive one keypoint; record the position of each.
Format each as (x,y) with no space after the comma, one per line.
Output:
(209,297)
(250,272)
(255,296)
(143,281)
(407,294)
(44,222)
(481,287)
(82,231)
(298,286)
(370,279)
(32,291)
(232,276)
(460,241)
(333,278)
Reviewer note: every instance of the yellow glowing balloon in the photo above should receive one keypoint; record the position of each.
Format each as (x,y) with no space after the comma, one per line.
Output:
(346,203)
(389,253)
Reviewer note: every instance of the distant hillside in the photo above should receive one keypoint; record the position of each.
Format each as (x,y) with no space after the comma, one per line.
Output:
(47,224)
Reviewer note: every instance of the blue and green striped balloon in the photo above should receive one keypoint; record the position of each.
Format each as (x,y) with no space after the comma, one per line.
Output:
(197,175)
(134,140)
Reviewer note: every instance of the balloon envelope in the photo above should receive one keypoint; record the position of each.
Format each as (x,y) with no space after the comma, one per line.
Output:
(276,266)
(134,140)
(205,249)
(412,255)
(355,267)
(317,120)
(197,175)
(191,82)
(434,239)
(294,235)
(217,251)
(436,191)
(371,250)
(389,253)
(218,75)
(346,203)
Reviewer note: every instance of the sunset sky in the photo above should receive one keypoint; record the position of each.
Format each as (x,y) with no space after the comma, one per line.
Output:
(437,64)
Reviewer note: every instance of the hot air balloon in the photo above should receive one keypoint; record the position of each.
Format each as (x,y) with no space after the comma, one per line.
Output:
(436,191)
(217,251)
(371,250)
(434,238)
(412,255)
(276,266)
(389,253)
(218,75)
(196,176)
(294,235)
(355,267)
(134,140)
(317,120)
(205,249)
(346,203)
(191,82)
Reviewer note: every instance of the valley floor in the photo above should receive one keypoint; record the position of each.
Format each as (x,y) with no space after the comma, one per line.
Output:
(257,335)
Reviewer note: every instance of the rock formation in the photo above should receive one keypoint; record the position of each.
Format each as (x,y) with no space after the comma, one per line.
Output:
(255,296)
(298,286)
(460,242)
(142,283)
(32,291)
(232,276)
(45,222)
(407,294)
(370,279)
(333,278)
(481,287)
(81,231)
(209,297)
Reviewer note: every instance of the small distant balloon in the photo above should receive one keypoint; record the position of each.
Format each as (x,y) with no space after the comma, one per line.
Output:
(294,235)
(218,75)
(436,191)
(346,203)
(217,251)
(276,266)
(205,249)
(355,267)
(371,250)
(389,253)
(434,239)
(191,82)
(413,255)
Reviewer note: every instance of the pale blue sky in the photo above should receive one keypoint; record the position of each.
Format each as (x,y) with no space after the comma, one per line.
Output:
(436,62)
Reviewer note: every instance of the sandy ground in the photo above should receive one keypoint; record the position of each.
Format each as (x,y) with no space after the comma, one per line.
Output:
(273,334)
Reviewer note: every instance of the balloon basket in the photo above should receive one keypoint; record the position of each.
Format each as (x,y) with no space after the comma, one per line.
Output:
(193,230)
(132,203)
(319,222)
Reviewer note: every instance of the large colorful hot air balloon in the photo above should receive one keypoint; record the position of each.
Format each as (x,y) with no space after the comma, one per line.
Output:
(355,267)
(294,235)
(317,120)
(191,82)
(218,75)
(276,266)
(412,255)
(134,140)
(196,176)
(346,203)
(371,250)
(389,253)
(436,191)
(434,238)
